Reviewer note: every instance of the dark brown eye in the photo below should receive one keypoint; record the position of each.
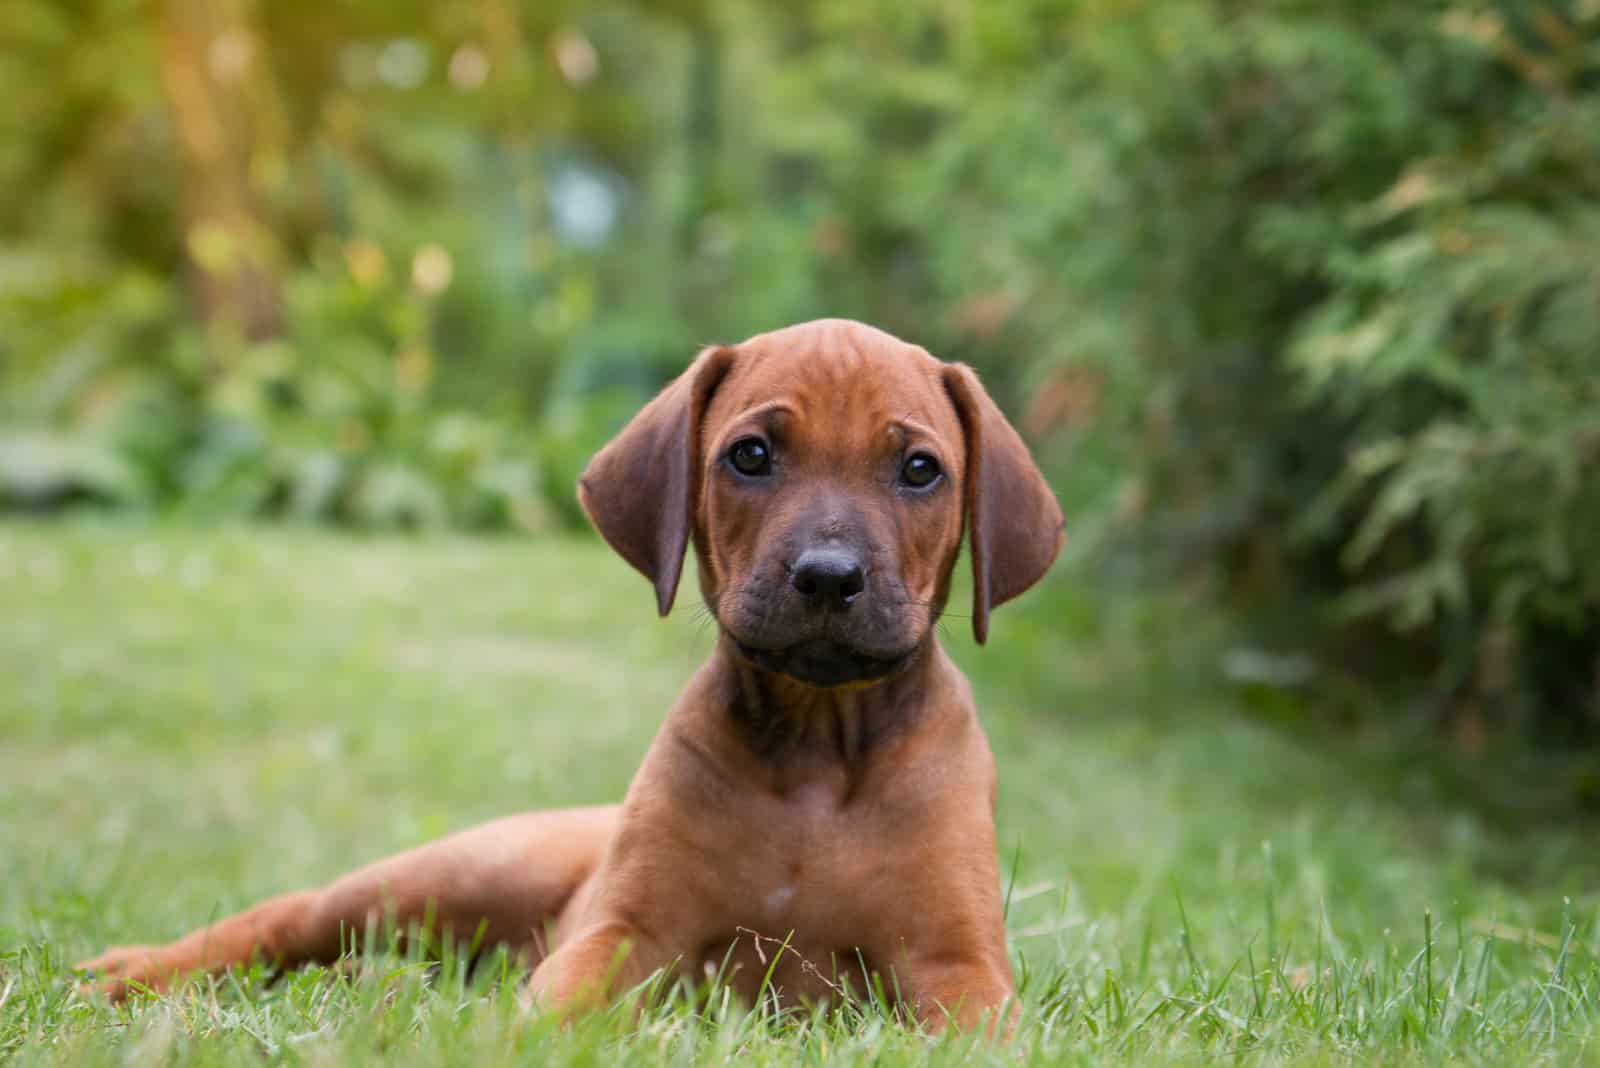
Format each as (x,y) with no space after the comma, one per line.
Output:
(920,471)
(751,457)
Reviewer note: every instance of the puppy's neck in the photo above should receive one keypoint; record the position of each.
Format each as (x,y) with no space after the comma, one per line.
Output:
(790,726)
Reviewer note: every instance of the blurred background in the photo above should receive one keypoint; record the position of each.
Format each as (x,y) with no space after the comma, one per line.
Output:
(1298,301)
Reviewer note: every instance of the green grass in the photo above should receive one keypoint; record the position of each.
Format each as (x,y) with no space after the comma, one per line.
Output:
(191,720)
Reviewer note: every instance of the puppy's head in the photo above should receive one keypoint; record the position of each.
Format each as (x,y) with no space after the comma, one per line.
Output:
(826,472)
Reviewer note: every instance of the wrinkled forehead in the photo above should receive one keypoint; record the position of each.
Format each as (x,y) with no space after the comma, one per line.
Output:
(833,388)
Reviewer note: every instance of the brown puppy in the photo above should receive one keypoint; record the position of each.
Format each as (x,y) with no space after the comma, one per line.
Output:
(823,779)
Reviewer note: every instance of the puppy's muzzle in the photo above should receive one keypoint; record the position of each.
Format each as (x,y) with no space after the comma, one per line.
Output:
(828,580)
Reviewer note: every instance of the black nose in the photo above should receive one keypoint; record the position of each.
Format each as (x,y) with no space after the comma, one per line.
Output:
(828,577)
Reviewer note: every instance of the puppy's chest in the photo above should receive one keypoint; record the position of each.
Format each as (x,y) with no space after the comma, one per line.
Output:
(807,886)
(812,863)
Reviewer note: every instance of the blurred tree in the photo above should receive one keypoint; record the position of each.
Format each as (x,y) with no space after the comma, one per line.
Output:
(224,109)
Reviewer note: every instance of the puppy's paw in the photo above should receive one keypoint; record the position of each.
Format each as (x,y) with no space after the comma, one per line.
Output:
(121,970)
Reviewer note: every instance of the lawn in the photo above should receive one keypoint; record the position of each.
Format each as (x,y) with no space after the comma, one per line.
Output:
(194,719)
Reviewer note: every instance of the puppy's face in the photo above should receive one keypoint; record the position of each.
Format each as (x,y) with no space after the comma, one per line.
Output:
(826,472)
(830,509)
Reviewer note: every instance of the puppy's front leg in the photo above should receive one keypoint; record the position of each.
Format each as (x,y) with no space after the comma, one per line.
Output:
(597,962)
(282,930)
(970,991)
(502,880)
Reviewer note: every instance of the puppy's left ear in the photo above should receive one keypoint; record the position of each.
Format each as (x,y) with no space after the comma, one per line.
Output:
(640,489)
(1014,525)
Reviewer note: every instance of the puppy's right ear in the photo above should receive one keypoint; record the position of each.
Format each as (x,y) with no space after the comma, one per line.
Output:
(640,489)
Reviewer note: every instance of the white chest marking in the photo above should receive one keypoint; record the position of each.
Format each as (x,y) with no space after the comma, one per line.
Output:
(779,898)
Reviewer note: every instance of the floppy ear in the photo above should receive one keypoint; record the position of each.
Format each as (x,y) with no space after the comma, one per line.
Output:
(640,489)
(1014,525)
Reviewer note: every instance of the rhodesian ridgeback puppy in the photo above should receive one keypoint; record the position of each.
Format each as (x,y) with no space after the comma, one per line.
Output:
(823,783)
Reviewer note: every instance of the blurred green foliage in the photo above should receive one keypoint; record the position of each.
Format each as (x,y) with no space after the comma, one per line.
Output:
(1300,295)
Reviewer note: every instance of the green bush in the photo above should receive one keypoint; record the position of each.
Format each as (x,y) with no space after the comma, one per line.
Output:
(1378,351)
